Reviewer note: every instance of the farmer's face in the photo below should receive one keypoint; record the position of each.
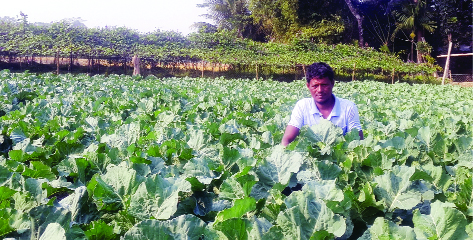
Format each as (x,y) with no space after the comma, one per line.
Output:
(320,89)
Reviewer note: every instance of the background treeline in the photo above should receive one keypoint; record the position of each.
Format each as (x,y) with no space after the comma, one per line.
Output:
(259,38)
(393,25)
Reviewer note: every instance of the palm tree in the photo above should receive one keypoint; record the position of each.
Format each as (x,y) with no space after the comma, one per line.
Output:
(228,14)
(414,16)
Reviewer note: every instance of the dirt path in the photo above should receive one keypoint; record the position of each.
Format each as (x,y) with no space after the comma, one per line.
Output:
(463,84)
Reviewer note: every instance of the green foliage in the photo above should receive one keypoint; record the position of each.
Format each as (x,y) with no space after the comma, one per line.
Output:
(307,44)
(200,158)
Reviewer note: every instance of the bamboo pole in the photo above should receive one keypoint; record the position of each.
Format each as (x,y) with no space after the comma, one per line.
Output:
(447,63)
(202,69)
(256,71)
(303,68)
(213,68)
(57,62)
(392,81)
(353,74)
(456,55)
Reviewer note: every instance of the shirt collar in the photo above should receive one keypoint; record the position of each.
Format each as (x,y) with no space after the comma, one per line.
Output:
(335,111)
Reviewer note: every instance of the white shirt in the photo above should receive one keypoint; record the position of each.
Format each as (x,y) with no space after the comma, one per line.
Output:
(344,114)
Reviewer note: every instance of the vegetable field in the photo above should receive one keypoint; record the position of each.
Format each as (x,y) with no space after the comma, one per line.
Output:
(123,157)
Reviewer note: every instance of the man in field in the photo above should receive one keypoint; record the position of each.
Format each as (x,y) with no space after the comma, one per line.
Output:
(322,105)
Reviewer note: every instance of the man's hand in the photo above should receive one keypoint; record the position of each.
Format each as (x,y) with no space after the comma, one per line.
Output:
(289,135)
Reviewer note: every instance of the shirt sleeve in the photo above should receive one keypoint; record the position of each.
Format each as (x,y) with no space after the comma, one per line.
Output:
(297,118)
(353,118)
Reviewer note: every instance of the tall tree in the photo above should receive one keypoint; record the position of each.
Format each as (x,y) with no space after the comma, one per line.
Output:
(359,20)
(414,16)
(286,20)
(228,14)
(454,17)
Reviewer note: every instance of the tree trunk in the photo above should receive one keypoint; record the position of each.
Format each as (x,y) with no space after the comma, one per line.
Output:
(420,38)
(70,62)
(88,63)
(256,71)
(359,20)
(202,69)
(57,62)
(136,65)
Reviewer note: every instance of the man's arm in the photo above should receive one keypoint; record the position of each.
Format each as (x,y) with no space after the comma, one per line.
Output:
(289,135)
(361,134)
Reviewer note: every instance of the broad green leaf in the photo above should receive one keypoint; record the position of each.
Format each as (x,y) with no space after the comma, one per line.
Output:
(326,190)
(252,228)
(230,157)
(366,198)
(123,179)
(82,210)
(240,207)
(306,215)
(35,188)
(279,166)
(197,139)
(53,231)
(157,197)
(383,229)
(324,132)
(202,169)
(79,168)
(104,195)
(17,219)
(39,170)
(45,215)
(75,232)
(183,227)
(205,203)
(231,189)
(5,174)
(99,230)
(395,189)
(234,228)
(226,138)
(126,135)
(328,170)
(443,222)
(434,174)
(469,230)
(24,201)
(465,197)
(259,229)
(5,216)
(396,142)
(5,194)
(230,127)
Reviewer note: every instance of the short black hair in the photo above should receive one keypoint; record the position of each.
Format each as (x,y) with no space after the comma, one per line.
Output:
(319,70)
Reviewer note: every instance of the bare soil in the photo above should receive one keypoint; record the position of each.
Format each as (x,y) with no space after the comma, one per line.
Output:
(463,84)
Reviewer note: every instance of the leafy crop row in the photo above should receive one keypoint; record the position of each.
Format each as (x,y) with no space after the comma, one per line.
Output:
(118,45)
(145,158)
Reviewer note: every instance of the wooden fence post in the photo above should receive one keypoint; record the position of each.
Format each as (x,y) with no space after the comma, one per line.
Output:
(256,71)
(57,62)
(392,81)
(353,74)
(447,63)
(136,65)
(303,68)
(202,68)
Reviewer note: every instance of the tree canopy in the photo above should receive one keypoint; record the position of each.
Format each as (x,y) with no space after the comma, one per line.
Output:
(337,21)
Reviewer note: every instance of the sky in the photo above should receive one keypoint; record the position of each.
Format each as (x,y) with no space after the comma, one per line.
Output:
(142,15)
